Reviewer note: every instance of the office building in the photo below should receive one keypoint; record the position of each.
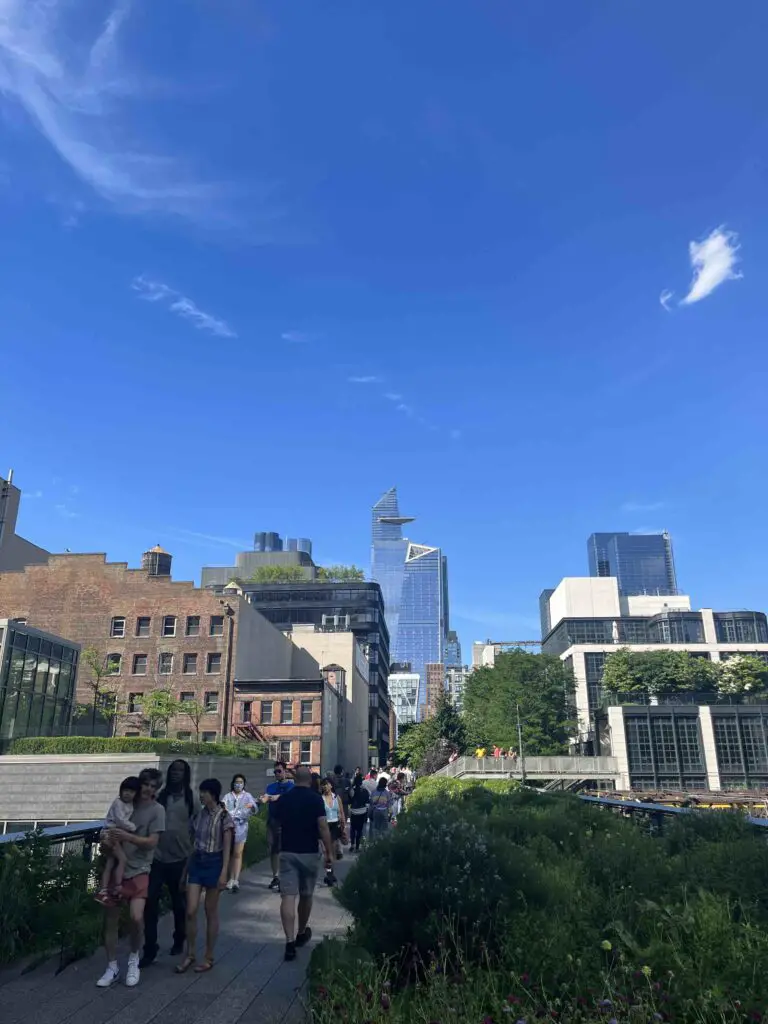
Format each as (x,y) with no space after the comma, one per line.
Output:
(404,694)
(357,607)
(149,633)
(452,656)
(685,747)
(590,619)
(435,676)
(414,582)
(15,551)
(38,679)
(269,550)
(455,681)
(641,562)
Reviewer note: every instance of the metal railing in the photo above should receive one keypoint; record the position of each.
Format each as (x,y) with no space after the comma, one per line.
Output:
(533,767)
(658,811)
(81,837)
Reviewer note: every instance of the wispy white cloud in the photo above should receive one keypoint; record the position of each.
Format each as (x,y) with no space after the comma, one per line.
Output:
(66,511)
(156,291)
(33,494)
(665,299)
(298,337)
(193,536)
(364,380)
(393,396)
(75,90)
(713,260)
(642,506)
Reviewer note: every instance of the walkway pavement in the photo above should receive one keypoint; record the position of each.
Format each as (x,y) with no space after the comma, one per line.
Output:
(250,983)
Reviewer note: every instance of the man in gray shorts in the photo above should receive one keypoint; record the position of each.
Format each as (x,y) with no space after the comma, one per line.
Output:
(301,814)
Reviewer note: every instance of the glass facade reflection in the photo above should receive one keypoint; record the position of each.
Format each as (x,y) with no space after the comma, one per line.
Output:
(414,583)
(641,562)
(38,675)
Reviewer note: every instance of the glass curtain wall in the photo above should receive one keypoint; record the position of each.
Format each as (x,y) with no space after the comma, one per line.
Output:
(37,687)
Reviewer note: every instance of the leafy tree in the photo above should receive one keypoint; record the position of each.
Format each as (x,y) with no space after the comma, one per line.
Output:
(540,685)
(413,742)
(194,710)
(742,675)
(340,574)
(450,724)
(654,672)
(104,697)
(278,574)
(159,707)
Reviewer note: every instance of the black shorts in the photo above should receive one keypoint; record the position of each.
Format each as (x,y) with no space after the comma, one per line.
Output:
(274,838)
(335,829)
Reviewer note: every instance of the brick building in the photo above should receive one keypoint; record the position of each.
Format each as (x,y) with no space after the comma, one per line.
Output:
(152,633)
(300,722)
(434,689)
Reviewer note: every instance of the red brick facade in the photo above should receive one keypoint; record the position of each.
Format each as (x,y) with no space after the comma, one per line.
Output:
(286,716)
(175,636)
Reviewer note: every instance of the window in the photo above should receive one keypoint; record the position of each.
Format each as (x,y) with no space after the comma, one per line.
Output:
(306,713)
(169,625)
(190,664)
(245,710)
(193,625)
(139,664)
(165,664)
(118,626)
(143,624)
(113,664)
(208,737)
(286,712)
(217,625)
(187,696)
(184,736)
(306,752)
(132,732)
(211,701)
(134,703)
(266,712)
(213,664)
(285,751)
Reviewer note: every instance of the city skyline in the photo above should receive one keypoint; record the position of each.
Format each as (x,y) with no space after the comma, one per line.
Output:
(414,582)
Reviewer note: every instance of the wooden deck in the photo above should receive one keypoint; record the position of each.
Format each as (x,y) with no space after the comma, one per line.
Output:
(250,983)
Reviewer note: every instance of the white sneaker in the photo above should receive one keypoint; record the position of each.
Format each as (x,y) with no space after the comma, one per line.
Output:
(230,885)
(133,973)
(109,977)
(235,886)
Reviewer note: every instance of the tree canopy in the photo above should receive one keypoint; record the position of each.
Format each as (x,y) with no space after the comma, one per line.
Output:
(340,574)
(426,746)
(659,672)
(278,574)
(542,687)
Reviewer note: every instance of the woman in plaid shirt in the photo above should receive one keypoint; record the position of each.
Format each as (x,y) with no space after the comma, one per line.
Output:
(212,830)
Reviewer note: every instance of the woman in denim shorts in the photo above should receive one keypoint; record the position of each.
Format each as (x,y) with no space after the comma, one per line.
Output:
(207,870)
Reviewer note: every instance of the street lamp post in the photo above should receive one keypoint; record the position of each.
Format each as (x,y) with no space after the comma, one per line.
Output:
(520,745)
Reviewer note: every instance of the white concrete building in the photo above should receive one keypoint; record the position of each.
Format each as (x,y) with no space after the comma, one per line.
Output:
(404,696)
(589,620)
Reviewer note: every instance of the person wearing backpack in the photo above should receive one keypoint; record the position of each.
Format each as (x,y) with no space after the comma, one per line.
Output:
(359,799)
(381,808)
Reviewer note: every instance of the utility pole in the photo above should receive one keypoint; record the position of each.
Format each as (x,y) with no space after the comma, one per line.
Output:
(520,745)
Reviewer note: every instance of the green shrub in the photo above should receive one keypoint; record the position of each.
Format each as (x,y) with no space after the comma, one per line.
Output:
(496,900)
(256,848)
(132,745)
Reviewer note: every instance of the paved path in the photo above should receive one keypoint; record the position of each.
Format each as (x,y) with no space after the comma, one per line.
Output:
(250,983)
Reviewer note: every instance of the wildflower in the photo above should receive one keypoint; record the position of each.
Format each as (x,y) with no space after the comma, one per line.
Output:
(646,971)
(605,1004)
(605,944)
(525,978)
(513,999)
(385,1003)
(322,992)
(613,1021)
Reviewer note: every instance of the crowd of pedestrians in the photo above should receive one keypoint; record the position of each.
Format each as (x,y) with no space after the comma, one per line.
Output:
(161,836)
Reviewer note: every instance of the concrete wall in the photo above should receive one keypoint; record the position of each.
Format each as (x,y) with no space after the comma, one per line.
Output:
(264,652)
(80,787)
(342,649)
(584,597)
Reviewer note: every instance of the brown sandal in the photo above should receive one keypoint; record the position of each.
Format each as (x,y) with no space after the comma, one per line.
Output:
(206,965)
(185,964)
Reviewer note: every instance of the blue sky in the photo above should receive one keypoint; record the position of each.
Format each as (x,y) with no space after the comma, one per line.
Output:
(264,260)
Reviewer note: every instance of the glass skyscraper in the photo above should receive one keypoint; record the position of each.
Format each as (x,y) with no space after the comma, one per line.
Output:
(414,581)
(642,562)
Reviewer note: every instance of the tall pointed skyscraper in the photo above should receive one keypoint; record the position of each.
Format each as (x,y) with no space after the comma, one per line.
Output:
(414,582)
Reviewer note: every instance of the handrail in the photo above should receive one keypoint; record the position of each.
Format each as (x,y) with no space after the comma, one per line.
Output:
(651,808)
(58,833)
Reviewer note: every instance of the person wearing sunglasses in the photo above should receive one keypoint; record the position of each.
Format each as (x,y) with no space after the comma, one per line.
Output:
(282,784)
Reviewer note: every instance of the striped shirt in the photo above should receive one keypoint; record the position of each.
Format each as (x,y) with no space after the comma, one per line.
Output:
(208,829)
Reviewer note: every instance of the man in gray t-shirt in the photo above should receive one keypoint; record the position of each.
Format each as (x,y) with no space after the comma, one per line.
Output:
(149,819)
